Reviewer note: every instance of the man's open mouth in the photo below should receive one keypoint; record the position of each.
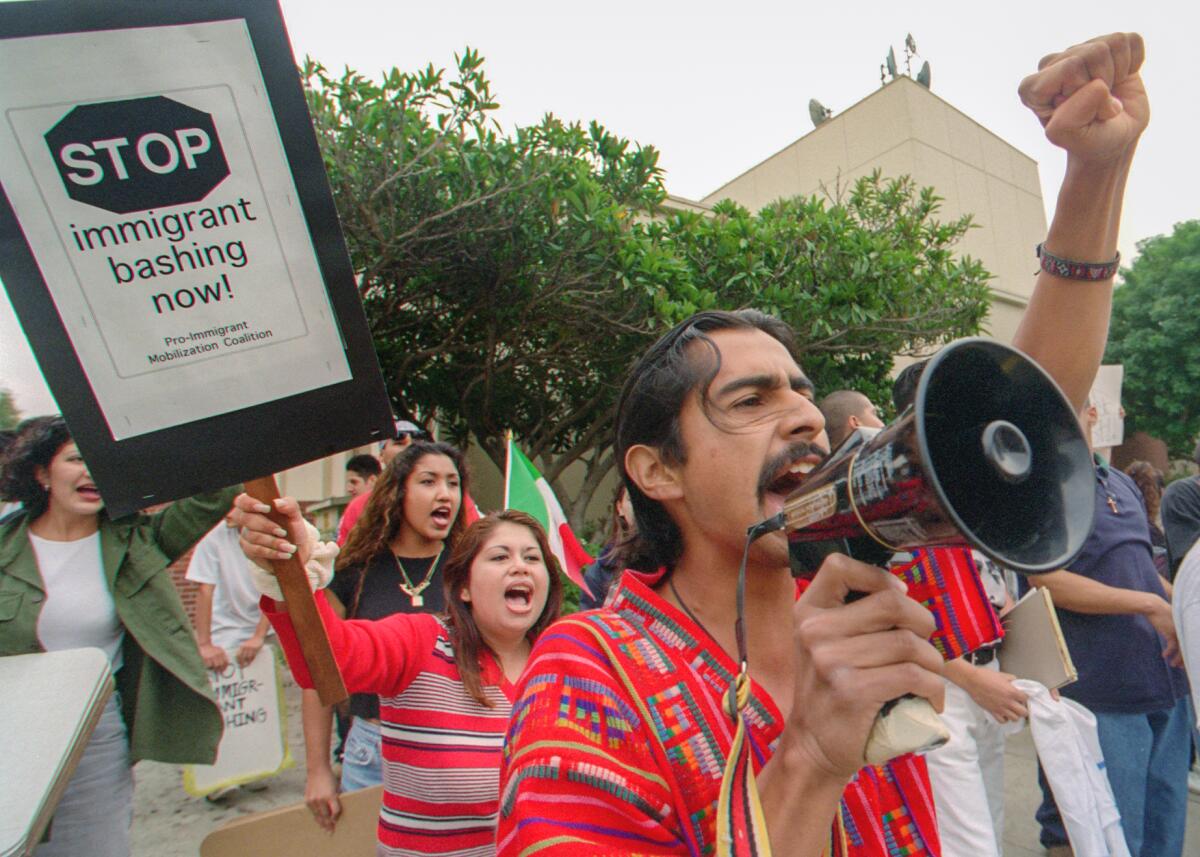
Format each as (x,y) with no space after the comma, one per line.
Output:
(792,476)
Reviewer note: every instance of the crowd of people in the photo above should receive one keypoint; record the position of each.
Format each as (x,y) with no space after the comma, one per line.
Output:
(705,703)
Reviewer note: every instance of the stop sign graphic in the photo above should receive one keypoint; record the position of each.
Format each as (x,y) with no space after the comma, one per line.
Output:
(137,154)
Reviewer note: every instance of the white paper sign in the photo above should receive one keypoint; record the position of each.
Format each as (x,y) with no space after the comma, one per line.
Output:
(146,171)
(254,744)
(1106,396)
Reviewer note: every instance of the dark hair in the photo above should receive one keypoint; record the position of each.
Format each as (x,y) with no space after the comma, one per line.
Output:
(837,409)
(456,575)
(7,436)
(904,388)
(649,409)
(1149,481)
(37,441)
(619,530)
(364,465)
(383,515)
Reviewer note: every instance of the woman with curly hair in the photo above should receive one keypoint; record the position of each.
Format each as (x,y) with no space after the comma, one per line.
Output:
(446,683)
(391,563)
(1150,482)
(71,577)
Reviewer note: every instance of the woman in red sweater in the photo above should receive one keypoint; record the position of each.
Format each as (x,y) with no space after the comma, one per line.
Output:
(446,683)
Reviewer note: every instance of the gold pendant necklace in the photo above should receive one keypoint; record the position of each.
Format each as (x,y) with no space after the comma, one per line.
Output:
(414,590)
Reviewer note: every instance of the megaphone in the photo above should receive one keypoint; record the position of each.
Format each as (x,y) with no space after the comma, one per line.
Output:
(989,456)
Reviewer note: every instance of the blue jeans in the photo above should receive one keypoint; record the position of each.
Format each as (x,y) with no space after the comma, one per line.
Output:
(1146,757)
(362,757)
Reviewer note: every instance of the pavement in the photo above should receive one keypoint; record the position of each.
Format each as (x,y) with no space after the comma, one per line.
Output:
(168,822)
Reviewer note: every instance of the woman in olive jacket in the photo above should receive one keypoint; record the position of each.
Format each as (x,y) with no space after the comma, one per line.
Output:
(70,577)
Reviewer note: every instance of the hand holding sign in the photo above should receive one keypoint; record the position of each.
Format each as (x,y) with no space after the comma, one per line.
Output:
(263,516)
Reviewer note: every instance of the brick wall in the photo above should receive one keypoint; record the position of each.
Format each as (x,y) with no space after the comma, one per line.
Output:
(187,589)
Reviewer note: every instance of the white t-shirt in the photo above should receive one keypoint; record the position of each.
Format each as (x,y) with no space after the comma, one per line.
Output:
(1185,605)
(79,609)
(219,560)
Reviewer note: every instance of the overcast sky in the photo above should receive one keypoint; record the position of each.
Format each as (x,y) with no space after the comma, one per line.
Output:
(718,87)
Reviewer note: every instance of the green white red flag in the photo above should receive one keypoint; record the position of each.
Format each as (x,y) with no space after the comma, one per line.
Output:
(526,490)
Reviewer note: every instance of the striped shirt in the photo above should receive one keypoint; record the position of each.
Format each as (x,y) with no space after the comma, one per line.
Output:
(441,748)
(618,743)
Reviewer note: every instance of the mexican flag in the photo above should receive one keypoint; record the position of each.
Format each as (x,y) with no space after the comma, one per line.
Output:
(526,490)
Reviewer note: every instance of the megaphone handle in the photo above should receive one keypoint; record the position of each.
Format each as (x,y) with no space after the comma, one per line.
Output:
(905,725)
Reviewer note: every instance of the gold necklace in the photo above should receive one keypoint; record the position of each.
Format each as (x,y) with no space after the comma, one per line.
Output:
(414,590)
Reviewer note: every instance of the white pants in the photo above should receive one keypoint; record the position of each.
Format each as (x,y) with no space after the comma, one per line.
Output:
(967,774)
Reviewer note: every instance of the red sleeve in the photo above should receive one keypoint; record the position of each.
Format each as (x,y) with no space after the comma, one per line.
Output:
(353,511)
(578,775)
(373,657)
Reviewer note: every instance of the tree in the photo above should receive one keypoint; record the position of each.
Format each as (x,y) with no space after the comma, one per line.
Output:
(1155,333)
(9,414)
(510,281)
(861,279)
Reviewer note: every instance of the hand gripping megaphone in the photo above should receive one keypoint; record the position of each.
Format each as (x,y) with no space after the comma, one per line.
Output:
(989,456)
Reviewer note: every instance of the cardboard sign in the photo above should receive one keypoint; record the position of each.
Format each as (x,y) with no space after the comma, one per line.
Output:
(291,831)
(1109,431)
(254,743)
(171,247)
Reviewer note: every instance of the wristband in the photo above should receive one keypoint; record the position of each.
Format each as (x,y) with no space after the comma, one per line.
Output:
(1069,269)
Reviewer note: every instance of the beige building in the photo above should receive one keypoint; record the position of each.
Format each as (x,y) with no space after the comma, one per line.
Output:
(902,128)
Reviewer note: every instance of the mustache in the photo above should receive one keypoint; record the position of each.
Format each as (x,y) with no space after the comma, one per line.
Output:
(789,456)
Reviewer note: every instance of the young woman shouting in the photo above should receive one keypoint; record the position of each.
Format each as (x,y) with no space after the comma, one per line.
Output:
(445,683)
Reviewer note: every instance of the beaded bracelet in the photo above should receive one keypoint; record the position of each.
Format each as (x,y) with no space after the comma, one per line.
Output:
(1072,270)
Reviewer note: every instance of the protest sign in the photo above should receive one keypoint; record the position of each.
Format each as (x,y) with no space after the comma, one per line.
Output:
(1109,430)
(254,743)
(171,248)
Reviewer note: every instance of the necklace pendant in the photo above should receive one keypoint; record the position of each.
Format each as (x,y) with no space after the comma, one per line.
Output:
(1112,504)
(417,600)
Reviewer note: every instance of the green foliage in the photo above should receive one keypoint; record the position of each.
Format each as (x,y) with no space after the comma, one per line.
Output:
(571,595)
(10,415)
(860,280)
(510,280)
(1155,333)
(490,266)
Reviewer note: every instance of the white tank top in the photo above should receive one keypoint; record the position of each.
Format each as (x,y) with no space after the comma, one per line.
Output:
(79,609)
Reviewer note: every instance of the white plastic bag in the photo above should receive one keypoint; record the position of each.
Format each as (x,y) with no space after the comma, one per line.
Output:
(1064,733)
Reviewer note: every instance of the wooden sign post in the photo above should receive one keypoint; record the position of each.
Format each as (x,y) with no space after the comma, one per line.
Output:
(293,581)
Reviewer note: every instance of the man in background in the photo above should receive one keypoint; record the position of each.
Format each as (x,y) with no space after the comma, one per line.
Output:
(845,411)
(227,620)
(1114,610)
(1181,517)
(361,473)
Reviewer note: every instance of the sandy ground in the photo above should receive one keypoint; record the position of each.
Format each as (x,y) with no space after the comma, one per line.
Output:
(168,822)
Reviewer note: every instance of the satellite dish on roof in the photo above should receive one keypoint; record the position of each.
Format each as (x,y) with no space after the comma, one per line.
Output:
(818,112)
(891,62)
(923,75)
